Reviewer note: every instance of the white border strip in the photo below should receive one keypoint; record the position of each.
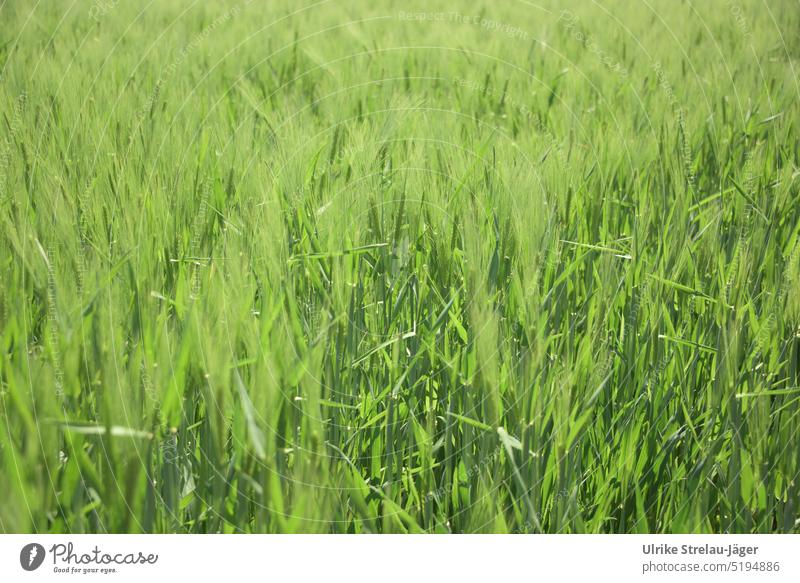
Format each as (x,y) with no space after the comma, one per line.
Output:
(401,558)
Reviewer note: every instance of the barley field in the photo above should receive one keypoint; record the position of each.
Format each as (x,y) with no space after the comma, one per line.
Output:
(381,267)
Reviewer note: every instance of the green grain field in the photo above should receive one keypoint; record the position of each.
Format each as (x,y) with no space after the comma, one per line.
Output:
(379,267)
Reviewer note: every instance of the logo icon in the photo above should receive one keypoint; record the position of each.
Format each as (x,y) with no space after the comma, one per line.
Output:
(31,556)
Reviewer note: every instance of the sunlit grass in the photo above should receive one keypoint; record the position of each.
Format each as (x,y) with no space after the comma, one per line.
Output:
(441,267)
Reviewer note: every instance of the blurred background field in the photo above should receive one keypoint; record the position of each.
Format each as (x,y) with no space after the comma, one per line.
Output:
(399,267)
